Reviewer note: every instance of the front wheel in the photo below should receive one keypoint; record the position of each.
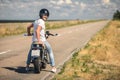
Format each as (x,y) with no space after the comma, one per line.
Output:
(37,65)
(47,58)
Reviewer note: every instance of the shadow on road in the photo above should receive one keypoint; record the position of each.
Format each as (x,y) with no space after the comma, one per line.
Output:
(22,70)
(18,69)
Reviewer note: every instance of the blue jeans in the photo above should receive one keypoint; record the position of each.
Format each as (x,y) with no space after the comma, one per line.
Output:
(50,52)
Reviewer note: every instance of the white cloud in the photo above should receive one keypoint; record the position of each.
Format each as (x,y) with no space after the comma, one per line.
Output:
(76,3)
(83,5)
(68,1)
(22,6)
(106,1)
(57,7)
(60,2)
(53,2)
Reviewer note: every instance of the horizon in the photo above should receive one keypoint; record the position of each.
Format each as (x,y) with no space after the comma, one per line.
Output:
(14,21)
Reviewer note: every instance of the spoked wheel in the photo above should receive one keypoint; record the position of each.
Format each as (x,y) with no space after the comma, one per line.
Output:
(37,65)
(47,58)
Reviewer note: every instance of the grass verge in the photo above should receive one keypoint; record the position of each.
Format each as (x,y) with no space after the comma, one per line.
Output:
(98,60)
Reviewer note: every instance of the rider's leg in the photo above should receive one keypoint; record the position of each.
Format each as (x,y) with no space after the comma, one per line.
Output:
(49,49)
(52,61)
(29,57)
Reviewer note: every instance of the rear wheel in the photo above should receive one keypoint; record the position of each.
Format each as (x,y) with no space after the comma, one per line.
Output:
(44,65)
(37,65)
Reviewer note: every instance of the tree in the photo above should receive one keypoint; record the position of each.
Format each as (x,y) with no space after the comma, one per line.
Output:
(116,15)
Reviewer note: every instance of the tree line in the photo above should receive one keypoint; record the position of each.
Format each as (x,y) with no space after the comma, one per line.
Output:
(116,15)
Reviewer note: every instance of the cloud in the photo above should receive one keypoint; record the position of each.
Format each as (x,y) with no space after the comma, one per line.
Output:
(68,1)
(53,2)
(76,3)
(83,5)
(60,2)
(106,1)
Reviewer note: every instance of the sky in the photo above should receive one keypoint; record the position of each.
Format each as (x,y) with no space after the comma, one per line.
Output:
(59,9)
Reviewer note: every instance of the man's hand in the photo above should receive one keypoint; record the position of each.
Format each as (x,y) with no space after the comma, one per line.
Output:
(40,42)
(29,29)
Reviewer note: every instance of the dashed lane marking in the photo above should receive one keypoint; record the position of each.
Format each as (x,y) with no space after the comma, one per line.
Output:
(5,52)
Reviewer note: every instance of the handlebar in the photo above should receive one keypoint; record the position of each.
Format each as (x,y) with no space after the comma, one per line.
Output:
(47,34)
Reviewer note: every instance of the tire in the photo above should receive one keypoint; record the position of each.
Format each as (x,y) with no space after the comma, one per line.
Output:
(44,65)
(47,59)
(37,65)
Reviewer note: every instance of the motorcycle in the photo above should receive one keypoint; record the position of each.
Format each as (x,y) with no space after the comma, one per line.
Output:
(39,55)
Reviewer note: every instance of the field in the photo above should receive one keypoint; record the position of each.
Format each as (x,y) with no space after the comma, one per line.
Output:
(8,29)
(98,60)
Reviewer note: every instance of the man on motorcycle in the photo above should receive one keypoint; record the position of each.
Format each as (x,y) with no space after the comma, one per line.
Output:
(39,37)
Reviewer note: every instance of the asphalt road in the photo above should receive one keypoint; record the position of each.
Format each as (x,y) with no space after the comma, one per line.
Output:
(14,50)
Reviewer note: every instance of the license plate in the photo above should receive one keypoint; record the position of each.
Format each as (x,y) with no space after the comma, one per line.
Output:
(35,53)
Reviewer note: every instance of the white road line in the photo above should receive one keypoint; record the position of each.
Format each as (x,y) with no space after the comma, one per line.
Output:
(5,52)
